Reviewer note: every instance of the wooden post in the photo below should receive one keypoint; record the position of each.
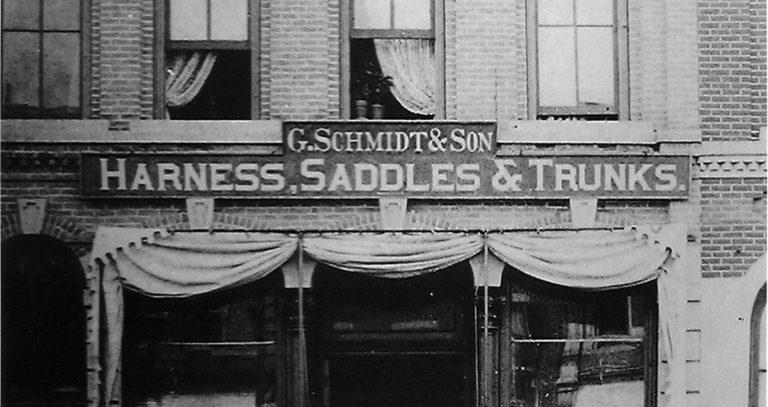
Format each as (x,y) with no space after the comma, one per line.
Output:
(489,342)
(295,368)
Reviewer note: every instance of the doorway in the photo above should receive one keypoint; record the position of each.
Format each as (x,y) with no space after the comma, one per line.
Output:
(43,323)
(397,379)
(403,342)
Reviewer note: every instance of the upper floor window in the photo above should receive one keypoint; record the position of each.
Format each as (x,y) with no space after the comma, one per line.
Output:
(41,59)
(210,61)
(395,57)
(578,59)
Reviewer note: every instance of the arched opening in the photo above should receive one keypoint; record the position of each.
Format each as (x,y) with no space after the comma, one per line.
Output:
(393,342)
(757,352)
(43,323)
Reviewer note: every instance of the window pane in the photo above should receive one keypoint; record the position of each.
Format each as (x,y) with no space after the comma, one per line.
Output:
(596,65)
(413,14)
(594,12)
(229,20)
(555,12)
(20,69)
(589,357)
(216,351)
(579,374)
(21,14)
(189,19)
(61,72)
(61,15)
(557,67)
(372,14)
(226,92)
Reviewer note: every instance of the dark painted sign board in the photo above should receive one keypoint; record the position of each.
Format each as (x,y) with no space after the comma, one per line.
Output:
(373,159)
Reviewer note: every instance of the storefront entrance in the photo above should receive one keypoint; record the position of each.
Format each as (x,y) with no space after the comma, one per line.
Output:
(405,342)
(396,380)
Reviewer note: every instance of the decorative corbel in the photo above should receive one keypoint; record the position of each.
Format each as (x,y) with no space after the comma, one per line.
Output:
(200,212)
(31,214)
(295,278)
(393,212)
(493,269)
(583,212)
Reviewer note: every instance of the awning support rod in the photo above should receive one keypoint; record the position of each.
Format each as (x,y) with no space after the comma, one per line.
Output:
(487,376)
(471,230)
(303,368)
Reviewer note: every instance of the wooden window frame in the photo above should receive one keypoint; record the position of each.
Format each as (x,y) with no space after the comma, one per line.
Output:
(436,32)
(621,68)
(163,43)
(85,57)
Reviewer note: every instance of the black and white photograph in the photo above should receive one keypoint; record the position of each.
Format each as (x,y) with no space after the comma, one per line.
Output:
(383,203)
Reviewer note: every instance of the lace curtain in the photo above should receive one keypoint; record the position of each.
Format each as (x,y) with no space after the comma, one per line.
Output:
(411,64)
(185,76)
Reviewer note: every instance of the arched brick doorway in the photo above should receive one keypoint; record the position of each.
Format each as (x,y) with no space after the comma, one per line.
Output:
(43,323)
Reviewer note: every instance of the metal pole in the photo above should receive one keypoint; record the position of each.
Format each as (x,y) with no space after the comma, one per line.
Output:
(303,374)
(406,231)
(486,337)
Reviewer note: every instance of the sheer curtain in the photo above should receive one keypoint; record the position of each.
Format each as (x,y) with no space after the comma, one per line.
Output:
(411,64)
(185,76)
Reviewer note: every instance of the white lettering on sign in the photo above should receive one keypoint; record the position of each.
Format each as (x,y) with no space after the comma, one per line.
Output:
(552,177)
(244,177)
(106,174)
(324,140)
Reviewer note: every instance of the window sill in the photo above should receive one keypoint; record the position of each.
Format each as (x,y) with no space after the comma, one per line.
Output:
(269,132)
(143,131)
(576,132)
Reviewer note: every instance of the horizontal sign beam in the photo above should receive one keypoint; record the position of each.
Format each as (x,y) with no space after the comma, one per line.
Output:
(372,159)
(243,176)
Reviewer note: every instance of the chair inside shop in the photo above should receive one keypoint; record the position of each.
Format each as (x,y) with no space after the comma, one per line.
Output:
(393,342)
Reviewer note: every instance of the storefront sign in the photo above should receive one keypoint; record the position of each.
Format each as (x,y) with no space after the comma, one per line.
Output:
(360,160)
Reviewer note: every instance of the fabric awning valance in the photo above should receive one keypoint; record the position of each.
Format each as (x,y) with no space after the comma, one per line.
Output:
(182,264)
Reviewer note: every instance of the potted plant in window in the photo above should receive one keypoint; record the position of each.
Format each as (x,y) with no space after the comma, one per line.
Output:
(362,90)
(381,84)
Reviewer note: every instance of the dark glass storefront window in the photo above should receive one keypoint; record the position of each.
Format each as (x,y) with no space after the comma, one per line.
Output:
(393,342)
(577,348)
(215,350)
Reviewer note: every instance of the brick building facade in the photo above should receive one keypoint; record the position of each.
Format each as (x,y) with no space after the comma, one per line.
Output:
(689,81)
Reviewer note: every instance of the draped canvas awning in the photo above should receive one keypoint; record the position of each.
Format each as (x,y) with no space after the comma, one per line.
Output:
(157,263)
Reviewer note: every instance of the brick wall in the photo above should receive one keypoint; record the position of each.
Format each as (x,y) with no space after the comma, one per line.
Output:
(733,233)
(732,52)
(662,62)
(758,57)
(120,57)
(485,59)
(485,49)
(303,55)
